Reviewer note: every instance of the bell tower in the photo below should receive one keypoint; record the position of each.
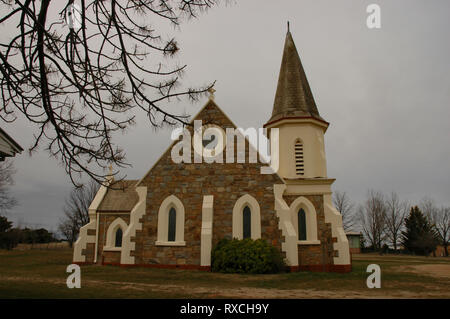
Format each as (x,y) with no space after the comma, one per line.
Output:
(304,203)
(295,114)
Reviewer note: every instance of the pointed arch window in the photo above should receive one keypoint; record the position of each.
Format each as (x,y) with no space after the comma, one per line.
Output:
(114,235)
(118,239)
(304,220)
(299,160)
(170,230)
(172,224)
(301,224)
(247,222)
(246,218)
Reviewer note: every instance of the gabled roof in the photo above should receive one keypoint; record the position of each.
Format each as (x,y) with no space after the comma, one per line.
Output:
(198,116)
(121,198)
(293,98)
(8,147)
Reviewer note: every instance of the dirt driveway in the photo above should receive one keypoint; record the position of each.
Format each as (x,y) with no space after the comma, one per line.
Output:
(434,270)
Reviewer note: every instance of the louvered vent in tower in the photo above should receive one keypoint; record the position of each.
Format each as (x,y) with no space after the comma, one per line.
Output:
(299,163)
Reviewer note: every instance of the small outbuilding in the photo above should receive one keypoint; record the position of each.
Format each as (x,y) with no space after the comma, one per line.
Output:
(354,242)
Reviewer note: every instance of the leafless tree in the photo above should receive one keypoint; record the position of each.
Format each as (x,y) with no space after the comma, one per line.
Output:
(395,216)
(372,217)
(428,207)
(440,219)
(442,225)
(343,204)
(7,201)
(76,211)
(80,76)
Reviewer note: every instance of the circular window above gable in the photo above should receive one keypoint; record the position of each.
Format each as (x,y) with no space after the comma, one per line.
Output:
(213,141)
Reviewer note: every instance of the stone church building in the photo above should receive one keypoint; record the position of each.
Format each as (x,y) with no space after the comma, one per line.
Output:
(176,213)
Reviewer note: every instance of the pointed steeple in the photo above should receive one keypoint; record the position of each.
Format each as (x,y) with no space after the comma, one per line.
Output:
(293,98)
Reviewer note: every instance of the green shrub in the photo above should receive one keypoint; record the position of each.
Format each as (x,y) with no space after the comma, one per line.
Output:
(246,256)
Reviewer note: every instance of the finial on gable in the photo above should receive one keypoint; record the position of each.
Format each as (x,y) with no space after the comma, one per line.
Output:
(211,91)
(288,26)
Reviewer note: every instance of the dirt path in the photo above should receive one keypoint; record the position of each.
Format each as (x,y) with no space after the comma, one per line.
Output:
(246,292)
(434,270)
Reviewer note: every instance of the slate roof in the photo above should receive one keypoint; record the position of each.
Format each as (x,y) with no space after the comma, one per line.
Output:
(293,97)
(122,197)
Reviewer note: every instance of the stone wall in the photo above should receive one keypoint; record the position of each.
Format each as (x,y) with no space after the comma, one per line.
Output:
(89,253)
(110,257)
(105,220)
(190,182)
(314,255)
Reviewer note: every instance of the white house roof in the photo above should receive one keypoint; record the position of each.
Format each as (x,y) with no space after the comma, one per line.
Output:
(8,147)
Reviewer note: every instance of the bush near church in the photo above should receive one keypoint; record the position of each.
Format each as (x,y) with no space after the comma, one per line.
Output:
(246,256)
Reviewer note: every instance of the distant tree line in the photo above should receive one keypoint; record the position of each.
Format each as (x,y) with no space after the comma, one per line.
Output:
(387,223)
(10,237)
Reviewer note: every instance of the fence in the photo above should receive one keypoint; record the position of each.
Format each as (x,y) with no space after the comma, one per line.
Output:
(47,246)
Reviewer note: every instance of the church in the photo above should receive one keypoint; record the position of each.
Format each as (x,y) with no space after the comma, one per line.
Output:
(174,215)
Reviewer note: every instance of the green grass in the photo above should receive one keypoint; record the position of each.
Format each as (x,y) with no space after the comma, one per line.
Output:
(42,274)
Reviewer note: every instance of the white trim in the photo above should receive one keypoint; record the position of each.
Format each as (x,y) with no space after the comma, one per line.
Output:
(290,245)
(333,217)
(97,223)
(252,203)
(299,120)
(310,214)
(83,237)
(207,229)
(170,243)
(163,221)
(111,234)
(136,214)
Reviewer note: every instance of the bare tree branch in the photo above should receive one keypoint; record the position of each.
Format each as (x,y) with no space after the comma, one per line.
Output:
(396,212)
(372,217)
(78,86)
(439,218)
(77,211)
(343,204)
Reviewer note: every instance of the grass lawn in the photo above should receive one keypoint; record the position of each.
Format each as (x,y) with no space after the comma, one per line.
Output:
(42,274)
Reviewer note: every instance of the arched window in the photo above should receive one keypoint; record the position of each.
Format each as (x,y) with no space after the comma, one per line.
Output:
(304,219)
(170,230)
(299,161)
(118,241)
(247,222)
(114,235)
(172,224)
(301,224)
(246,218)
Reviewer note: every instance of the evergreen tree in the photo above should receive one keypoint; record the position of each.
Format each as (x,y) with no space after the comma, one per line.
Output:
(5,225)
(419,236)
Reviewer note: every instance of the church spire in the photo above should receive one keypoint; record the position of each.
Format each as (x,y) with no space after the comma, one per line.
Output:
(293,98)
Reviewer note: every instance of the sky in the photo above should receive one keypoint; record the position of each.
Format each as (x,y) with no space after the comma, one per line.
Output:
(385,92)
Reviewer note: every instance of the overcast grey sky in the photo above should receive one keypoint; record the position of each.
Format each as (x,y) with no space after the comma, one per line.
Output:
(385,92)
